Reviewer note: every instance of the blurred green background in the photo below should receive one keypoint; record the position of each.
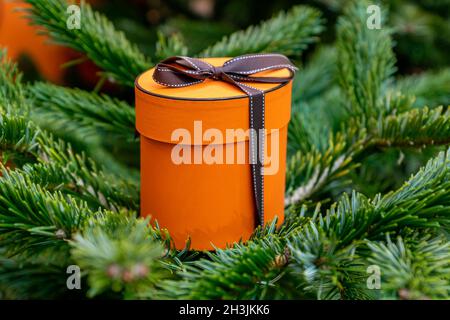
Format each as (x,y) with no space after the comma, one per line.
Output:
(421,28)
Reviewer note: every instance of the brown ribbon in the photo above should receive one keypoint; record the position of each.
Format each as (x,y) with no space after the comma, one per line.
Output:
(185,71)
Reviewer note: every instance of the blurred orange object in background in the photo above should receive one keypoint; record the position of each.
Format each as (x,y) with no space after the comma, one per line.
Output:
(26,46)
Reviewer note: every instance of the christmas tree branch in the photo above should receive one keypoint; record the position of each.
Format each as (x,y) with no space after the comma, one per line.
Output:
(35,279)
(429,88)
(311,170)
(89,113)
(417,269)
(363,69)
(97,37)
(109,191)
(19,134)
(326,254)
(32,219)
(317,76)
(22,143)
(241,272)
(18,140)
(376,115)
(287,33)
(12,92)
(168,46)
(308,172)
(119,256)
(414,128)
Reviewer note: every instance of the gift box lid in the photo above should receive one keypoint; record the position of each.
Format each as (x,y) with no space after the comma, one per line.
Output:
(219,105)
(207,90)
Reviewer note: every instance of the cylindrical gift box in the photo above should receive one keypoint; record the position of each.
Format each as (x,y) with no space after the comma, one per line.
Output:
(194,181)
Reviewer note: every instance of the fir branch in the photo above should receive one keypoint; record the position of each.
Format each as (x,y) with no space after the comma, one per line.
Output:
(429,88)
(363,73)
(288,33)
(417,269)
(309,171)
(118,255)
(29,279)
(89,113)
(422,202)
(241,272)
(321,251)
(168,46)
(12,93)
(415,128)
(317,76)
(321,270)
(299,137)
(19,135)
(21,140)
(109,191)
(96,147)
(329,107)
(97,37)
(18,140)
(365,60)
(32,219)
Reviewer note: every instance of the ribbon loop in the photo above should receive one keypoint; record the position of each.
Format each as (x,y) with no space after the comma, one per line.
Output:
(185,71)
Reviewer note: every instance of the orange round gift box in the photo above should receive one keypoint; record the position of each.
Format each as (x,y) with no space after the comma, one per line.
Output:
(210,203)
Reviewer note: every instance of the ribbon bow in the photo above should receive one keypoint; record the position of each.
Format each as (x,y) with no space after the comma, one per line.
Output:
(186,71)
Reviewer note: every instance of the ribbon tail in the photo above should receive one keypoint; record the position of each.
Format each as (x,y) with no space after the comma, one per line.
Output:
(256,146)
(256,143)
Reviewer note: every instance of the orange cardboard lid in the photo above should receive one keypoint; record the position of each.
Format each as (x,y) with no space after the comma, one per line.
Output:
(218,105)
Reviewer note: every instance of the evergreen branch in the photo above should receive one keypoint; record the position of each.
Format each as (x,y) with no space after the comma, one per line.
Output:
(12,94)
(365,60)
(423,202)
(321,270)
(109,191)
(18,140)
(25,279)
(33,219)
(309,171)
(418,269)
(429,88)
(329,107)
(96,37)
(76,174)
(415,128)
(288,33)
(241,272)
(317,76)
(18,136)
(118,255)
(96,147)
(299,138)
(88,112)
(363,72)
(168,46)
